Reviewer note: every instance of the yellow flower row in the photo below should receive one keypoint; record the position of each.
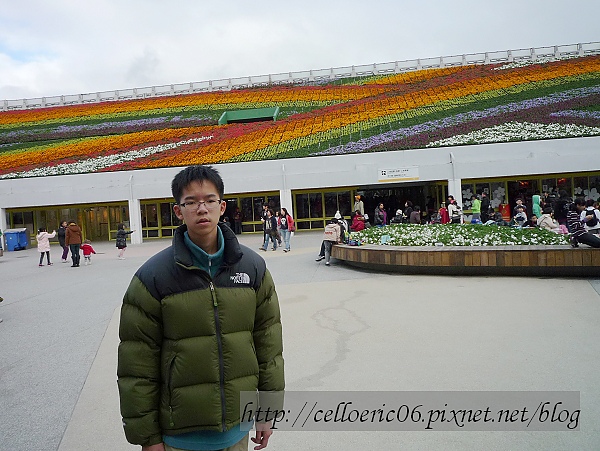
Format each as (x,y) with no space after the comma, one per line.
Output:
(247,98)
(228,148)
(90,146)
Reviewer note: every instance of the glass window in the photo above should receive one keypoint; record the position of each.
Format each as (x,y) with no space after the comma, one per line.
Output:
(257,203)
(467,190)
(315,201)
(331,204)
(594,191)
(580,186)
(149,215)
(345,203)
(565,183)
(498,195)
(302,210)
(166,218)
(482,188)
(273,202)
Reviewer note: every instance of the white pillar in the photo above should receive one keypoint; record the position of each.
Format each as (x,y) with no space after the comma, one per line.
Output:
(285,194)
(3,226)
(455,189)
(285,199)
(135,220)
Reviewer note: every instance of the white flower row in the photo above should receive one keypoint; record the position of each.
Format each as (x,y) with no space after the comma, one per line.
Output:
(517,131)
(95,164)
(531,62)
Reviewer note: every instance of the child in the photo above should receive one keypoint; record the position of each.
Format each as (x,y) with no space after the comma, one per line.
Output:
(43,240)
(88,250)
(122,240)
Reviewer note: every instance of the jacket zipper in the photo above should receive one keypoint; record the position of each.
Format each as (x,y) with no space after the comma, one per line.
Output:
(220,348)
(170,387)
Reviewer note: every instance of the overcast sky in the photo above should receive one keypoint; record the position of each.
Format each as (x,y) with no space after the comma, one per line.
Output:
(71,46)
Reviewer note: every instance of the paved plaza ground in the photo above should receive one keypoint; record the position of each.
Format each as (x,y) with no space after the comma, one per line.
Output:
(344,329)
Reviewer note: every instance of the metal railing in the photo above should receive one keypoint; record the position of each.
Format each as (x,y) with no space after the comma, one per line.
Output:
(309,76)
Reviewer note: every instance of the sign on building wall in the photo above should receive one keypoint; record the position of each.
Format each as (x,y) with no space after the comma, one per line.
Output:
(399,174)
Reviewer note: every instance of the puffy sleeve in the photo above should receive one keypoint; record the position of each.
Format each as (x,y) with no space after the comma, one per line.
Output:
(138,368)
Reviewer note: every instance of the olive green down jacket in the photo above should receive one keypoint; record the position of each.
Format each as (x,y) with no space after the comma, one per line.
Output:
(190,344)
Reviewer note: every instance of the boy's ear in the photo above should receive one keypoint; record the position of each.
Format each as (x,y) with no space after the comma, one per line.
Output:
(177,211)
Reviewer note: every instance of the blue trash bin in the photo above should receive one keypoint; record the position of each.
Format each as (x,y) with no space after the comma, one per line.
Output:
(16,239)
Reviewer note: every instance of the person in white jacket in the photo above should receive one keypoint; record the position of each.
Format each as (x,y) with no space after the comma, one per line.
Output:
(546,222)
(43,240)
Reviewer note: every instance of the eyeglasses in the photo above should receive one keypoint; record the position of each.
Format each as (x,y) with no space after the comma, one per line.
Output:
(210,204)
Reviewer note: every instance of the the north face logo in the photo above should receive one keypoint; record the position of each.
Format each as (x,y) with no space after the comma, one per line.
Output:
(241,277)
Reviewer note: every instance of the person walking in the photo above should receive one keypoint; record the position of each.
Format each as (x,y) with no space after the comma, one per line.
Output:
(73,239)
(62,231)
(476,210)
(200,323)
(237,221)
(454,211)
(43,244)
(485,207)
(380,216)
(359,205)
(88,250)
(286,226)
(122,240)
(270,231)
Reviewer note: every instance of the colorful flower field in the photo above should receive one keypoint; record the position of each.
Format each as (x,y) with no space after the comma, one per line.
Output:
(465,105)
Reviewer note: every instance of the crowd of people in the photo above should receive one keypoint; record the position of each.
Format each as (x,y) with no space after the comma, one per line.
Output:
(70,239)
(579,218)
(278,228)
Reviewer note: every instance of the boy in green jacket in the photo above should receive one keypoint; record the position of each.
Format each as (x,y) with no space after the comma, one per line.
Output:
(200,323)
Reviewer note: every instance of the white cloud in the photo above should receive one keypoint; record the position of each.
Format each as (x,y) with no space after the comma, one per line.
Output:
(67,47)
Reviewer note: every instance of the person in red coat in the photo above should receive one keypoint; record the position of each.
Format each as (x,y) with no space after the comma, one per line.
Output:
(444,216)
(358,222)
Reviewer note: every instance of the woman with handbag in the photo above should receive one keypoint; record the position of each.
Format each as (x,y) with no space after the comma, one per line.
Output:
(286,226)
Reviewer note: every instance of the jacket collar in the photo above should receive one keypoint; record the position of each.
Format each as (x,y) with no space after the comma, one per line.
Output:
(231,255)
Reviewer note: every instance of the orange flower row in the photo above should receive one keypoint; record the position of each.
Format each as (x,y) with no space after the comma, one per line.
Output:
(280,132)
(258,96)
(90,146)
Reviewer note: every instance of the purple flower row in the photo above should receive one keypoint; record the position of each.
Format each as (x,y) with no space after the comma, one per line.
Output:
(577,114)
(539,114)
(394,136)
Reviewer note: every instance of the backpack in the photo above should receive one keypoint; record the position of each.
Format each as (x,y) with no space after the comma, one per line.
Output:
(332,233)
(594,221)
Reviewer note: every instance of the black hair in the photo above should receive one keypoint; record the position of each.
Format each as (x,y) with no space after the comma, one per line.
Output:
(41,229)
(199,173)
(547,210)
(589,203)
(580,201)
(417,208)
(121,226)
(285,212)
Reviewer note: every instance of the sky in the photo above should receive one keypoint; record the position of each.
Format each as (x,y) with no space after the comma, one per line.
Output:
(57,47)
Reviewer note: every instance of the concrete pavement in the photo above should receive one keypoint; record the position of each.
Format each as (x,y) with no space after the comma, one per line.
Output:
(344,329)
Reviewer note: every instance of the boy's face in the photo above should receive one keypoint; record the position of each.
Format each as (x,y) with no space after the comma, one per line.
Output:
(201,220)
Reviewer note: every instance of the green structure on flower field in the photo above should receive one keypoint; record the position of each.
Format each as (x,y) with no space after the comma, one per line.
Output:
(469,104)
